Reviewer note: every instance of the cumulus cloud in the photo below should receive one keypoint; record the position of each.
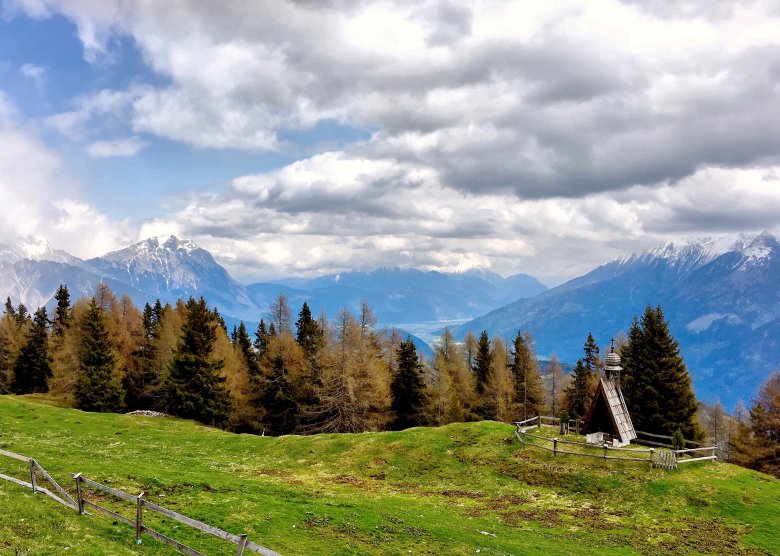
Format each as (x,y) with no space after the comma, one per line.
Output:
(41,200)
(544,137)
(33,72)
(537,101)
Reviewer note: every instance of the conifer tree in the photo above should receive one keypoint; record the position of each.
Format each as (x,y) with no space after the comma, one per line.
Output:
(277,400)
(5,363)
(529,392)
(219,320)
(32,368)
(309,335)
(243,344)
(9,308)
(407,389)
(142,382)
(655,380)
(482,363)
(280,314)
(194,388)
(22,316)
(97,387)
(452,390)
(757,445)
(61,319)
(577,401)
(271,330)
(261,340)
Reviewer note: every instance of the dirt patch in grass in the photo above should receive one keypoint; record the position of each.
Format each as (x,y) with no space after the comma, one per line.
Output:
(461,494)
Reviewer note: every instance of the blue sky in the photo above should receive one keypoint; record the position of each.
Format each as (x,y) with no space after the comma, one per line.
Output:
(304,138)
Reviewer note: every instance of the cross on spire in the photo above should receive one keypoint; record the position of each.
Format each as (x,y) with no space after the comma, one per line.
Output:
(612,348)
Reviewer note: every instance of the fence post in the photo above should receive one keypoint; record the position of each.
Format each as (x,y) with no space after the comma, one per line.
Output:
(652,451)
(79,497)
(539,426)
(32,475)
(605,451)
(138,518)
(555,446)
(242,544)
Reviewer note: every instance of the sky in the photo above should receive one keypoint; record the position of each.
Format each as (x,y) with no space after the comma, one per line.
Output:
(298,138)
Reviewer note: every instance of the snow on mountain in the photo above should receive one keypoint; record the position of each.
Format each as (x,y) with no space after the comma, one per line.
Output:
(721,297)
(34,249)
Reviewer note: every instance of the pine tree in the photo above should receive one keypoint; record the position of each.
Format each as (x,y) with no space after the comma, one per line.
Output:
(194,388)
(529,392)
(407,389)
(9,308)
(97,387)
(22,316)
(655,380)
(32,368)
(62,312)
(577,394)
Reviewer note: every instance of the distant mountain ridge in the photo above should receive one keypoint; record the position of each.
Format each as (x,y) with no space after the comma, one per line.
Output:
(722,299)
(168,268)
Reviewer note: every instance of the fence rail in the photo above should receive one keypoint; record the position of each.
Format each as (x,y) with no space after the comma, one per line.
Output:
(664,458)
(139,502)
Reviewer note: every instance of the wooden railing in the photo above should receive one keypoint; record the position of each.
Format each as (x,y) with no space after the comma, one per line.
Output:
(34,467)
(139,502)
(667,458)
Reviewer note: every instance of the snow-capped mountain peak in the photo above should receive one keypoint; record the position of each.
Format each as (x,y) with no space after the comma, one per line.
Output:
(34,249)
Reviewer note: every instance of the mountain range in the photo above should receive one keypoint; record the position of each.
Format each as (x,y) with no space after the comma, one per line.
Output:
(169,268)
(722,298)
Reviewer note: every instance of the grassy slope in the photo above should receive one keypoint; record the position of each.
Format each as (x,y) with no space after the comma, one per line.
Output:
(453,490)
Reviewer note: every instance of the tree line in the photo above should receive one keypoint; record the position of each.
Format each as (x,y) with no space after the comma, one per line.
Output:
(313,375)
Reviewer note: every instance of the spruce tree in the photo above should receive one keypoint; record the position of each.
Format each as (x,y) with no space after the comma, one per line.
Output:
(9,308)
(277,400)
(261,339)
(61,320)
(591,359)
(22,316)
(482,363)
(5,364)
(97,386)
(194,388)
(142,382)
(656,380)
(243,344)
(529,392)
(577,393)
(407,389)
(32,369)
(309,335)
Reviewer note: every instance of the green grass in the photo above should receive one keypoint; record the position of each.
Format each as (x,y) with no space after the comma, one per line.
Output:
(457,489)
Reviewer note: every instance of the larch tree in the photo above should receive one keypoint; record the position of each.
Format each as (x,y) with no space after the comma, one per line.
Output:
(280,314)
(557,386)
(758,444)
(32,369)
(407,389)
(501,386)
(194,388)
(97,387)
(529,390)
(452,383)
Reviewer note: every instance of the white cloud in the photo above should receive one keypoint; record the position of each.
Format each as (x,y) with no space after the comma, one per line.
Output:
(40,199)
(129,146)
(33,72)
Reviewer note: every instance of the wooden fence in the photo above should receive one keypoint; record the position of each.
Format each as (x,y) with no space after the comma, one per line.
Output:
(139,502)
(660,458)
